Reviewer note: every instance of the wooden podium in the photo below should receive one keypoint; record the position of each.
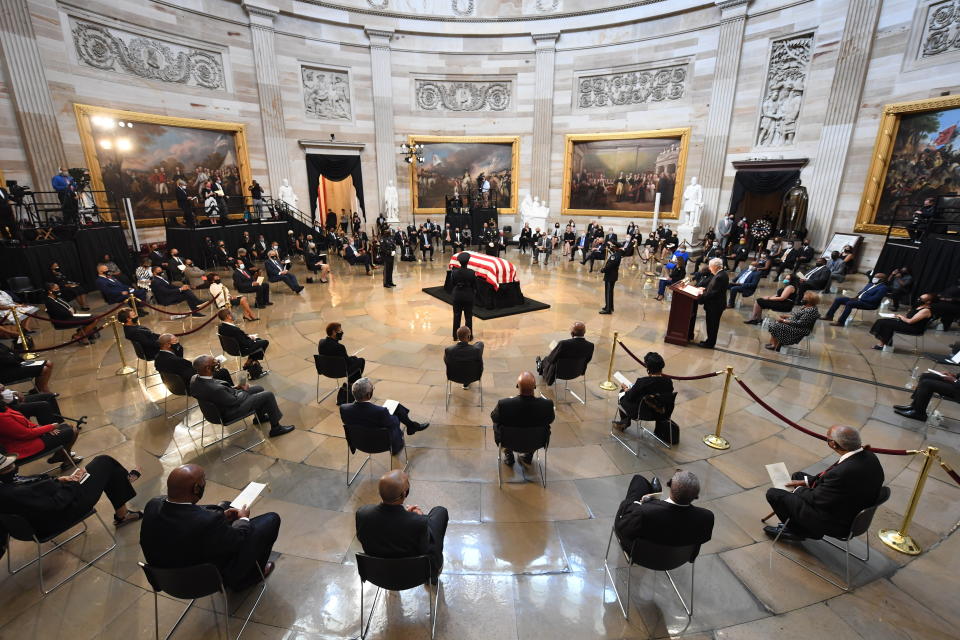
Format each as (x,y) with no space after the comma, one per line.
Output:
(683,311)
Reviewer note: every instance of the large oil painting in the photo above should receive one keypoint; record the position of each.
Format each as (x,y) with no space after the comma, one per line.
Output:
(620,174)
(916,155)
(143,156)
(459,166)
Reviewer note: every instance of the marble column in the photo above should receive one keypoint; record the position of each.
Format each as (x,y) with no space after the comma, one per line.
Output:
(733,14)
(268,89)
(546,54)
(27,83)
(843,103)
(382,81)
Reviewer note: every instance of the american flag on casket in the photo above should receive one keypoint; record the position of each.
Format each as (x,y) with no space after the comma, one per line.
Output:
(496,271)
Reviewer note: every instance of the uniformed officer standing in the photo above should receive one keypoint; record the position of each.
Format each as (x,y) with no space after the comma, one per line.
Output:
(611,272)
(388,250)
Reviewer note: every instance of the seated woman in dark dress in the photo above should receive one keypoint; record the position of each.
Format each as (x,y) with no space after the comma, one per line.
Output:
(792,329)
(654,383)
(671,276)
(70,290)
(914,323)
(783,301)
(25,439)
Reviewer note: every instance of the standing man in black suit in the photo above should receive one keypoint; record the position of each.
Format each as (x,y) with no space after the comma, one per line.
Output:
(244,282)
(673,521)
(826,504)
(464,281)
(524,410)
(392,530)
(463,352)
(184,201)
(714,300)
(177,532)
(388,252)
(576,346)
(254,348)
(611,273)
(233,402)
(330,346)
(167,361)
(133,332)
(168,294)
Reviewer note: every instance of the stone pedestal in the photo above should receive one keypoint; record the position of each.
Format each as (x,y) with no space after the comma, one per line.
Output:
(689,233)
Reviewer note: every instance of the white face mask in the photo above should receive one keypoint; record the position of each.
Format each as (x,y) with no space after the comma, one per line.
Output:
(875,280)
(240,266)
(752,268)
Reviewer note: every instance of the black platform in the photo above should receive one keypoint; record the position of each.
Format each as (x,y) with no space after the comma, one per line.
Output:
(935,263)
(190,241)
(511,291)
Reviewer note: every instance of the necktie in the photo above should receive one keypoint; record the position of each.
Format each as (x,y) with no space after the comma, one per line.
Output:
(813,482)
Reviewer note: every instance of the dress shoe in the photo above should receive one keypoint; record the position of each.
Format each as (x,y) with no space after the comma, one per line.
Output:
(508,458)
(526,458)
(619,426)
(655,484)
(729,306)
(282,429)
(836,324)
(828,318)
(913,414)
(877,347)
(268,569)
(298,290)
(197,314)
(420,426)
(705,345)
(903,407)
(269,304)
(259,306)
(757,321)
(785,534)
(605,312)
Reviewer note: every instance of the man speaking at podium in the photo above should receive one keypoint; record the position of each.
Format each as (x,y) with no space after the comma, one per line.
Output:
(714,301)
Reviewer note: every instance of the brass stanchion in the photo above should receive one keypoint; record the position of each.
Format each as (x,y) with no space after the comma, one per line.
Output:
(609,384)
(898,539)
(124,369)
(26,355)
(132,301)
(715,440)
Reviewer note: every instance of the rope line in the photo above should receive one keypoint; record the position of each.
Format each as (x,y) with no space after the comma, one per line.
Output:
(69,342)
(178,313)
(666,375)
(85,321)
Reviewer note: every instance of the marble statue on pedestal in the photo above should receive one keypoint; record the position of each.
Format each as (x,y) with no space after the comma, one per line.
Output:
(692,203)
(286,195)
(533,213)
(391,200)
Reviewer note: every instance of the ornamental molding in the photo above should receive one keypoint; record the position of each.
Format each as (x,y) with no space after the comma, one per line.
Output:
(326,93)
(548,6)
(934,35)
(124,51)
(787,68)
(463,8)
(456,95)
(660,82)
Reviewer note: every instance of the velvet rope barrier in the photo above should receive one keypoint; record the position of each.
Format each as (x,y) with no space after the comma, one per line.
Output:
(180,313)
(69,342)
(667,375)
(819,436)
(195,329)
(82,322)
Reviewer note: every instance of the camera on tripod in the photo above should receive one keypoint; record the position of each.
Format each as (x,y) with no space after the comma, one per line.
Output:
(18,191)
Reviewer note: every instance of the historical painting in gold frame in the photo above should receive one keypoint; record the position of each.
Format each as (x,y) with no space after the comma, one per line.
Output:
(142,155)
(916,148)
(619,174)
(452,164)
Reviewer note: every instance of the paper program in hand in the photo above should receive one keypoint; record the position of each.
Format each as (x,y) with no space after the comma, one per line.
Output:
(779,476)
(250,493)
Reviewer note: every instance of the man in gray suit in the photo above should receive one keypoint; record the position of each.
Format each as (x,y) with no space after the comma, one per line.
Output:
(235,401)
(724,228)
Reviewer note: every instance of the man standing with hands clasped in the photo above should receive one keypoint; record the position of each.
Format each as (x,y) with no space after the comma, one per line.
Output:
(388,250)
(714,300)
(611,273)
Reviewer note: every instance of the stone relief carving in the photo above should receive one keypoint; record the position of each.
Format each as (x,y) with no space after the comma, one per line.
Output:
(326,94)
(462,7)
(632,87)
(110,49)
(462,95)
(941,30)
(547,6)
(783,95)
(378,4)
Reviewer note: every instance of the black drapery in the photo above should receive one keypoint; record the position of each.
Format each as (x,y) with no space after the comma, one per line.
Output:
(335,168)
(189,242)
(760,182)
(93,243)
(935,264)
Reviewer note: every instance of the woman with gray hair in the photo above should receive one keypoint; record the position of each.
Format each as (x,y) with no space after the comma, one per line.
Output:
(795,327)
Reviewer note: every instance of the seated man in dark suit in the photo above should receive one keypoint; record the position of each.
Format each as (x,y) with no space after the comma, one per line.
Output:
(177,532)
(64,317)
(115,292)
(632,399)
(43,407)
(576,346)
(524,410)
(745,284)
(358,256)
(817,279)
(826,504)
(946,385)
(49,504)
(133,332)
(232,402)
(245,282)
(330,346)
(869,298)
(392,530)
(672,521)
(252,347)
(167,361)
(463,352)
(280,272)
(365,413)
(168,294)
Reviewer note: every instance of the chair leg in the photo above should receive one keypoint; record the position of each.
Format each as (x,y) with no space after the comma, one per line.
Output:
(689,609)
(176,624)
(774,548)
(435,609)
(373,607)
(446,405)
(499,473)
(350,478)
(263,581)
(613,582)
(87,565)
(224,436)
(480,382)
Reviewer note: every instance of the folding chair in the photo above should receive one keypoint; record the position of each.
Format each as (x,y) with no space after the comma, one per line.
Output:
(369,441)
(524,440)
(397,574)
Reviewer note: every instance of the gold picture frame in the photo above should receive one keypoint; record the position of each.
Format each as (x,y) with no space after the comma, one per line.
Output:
(883,149)
(514,141)
(85,112)
(681,134)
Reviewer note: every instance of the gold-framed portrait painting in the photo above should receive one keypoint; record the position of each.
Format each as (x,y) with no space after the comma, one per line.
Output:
(458,165)
(914,157)
(143,155)
(619,174)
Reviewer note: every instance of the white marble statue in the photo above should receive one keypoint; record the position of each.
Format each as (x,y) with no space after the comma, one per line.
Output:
(391,201)
(286,194)
(532,213)
(526,207)
(692,203)
(543,211)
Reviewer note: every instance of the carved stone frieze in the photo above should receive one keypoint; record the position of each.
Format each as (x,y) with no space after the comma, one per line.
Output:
(463,7)
(326,93)
(111,49)
(463,95)
(632,87)
(941,29)
(378,4)
(783,91)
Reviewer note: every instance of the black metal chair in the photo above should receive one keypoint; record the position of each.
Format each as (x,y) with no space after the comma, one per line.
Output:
(859,526)
(47,454)
(190,583)
(232,348)
(211,413)
(464,373)
(332,367)
(142,357)
(369,440)
(175,387)
(654,556)
(22,288)
(570,369)
(19,529)
(524,440)
(397,574)
(667,402)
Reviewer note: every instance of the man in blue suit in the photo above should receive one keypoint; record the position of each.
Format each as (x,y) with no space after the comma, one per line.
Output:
(277,272)
(869,297)
(114,291)
(365,413)
(744,284)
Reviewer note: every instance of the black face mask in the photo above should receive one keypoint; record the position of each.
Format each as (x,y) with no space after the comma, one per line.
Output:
(338,335)
(9,476)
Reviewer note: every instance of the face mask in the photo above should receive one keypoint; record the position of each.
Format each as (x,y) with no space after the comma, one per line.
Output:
(240,265)
(217,281)
(751,268)
(339,335)
(875,280)
(786,281)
